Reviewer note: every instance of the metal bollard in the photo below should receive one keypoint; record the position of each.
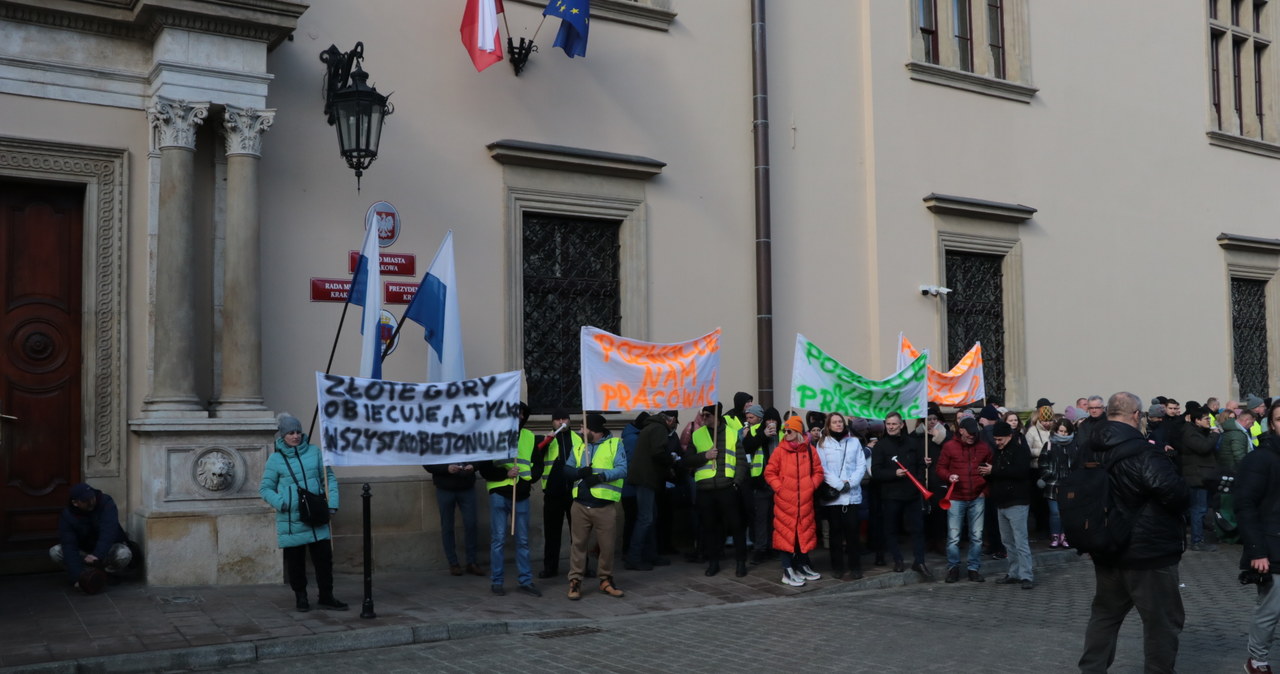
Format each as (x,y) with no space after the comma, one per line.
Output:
(367,609)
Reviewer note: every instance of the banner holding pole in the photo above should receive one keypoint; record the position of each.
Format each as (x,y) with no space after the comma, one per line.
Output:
(963,385)
(620,374)
(373,422)
(820,382)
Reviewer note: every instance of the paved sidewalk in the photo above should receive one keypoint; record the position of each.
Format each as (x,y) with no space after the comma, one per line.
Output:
(49,627)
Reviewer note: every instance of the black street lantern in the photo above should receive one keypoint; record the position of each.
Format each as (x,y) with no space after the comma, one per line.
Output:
(354,107)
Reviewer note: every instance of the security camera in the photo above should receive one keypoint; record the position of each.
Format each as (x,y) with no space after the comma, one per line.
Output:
(926,291)
(942,291)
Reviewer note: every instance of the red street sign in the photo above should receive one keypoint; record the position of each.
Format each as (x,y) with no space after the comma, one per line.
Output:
(330,289)
(396,264)
(399,293)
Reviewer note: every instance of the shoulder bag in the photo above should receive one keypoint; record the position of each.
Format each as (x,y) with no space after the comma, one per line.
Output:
(313,509)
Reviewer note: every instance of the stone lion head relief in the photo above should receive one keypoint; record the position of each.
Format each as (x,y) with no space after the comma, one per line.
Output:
(215,471)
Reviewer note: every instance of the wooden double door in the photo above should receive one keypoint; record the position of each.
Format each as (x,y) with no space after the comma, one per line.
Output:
(41,228)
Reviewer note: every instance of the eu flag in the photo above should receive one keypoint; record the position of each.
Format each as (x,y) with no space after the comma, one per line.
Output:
(572,37)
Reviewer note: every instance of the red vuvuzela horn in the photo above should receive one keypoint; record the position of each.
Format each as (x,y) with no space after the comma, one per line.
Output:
(945,503)
(927,494)
(547,440)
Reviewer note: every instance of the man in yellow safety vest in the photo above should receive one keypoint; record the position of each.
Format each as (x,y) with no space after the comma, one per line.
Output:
(596,469)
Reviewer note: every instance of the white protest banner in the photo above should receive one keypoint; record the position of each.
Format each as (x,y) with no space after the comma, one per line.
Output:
(375,422)
(626,374)
(820,382)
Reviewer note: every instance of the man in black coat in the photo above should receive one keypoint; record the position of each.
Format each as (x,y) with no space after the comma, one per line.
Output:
(647,472)
(1152,496)
(1011,496)
(1257,497)
(90,536)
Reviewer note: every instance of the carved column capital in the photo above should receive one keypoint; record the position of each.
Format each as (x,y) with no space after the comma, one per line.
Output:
(177,121)
(243,129)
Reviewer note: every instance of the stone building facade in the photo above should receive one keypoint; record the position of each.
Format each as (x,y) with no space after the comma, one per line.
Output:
(1100,206)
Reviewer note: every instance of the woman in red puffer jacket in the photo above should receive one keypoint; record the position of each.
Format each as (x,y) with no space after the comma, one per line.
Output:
(793,473)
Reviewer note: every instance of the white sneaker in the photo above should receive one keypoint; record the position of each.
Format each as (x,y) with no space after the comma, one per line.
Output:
(790,577)
(809,573)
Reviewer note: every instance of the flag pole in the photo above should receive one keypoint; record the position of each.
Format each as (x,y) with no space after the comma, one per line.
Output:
(328,366)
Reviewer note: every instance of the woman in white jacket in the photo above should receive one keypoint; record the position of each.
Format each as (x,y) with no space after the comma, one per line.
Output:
(843,465)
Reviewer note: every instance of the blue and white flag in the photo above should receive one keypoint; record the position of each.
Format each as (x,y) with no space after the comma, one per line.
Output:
(435,308)
(366,288)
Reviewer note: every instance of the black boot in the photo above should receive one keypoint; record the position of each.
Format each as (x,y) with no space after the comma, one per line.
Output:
(327,600)
(742,569)
(713,568)
(302,604)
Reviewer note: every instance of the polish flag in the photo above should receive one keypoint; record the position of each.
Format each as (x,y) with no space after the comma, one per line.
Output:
(480,32)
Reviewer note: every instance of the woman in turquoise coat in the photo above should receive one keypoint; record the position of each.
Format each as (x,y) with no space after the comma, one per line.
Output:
(297,463)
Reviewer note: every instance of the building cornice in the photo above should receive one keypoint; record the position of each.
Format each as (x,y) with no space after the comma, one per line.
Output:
(946,204)
(269,21)
(1252,244)
(578,160)
(652,14)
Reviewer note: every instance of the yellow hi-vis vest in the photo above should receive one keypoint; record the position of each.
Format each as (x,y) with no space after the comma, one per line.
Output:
(602,459)
(553,453)
(524,461)
(702,442)
(1255,432)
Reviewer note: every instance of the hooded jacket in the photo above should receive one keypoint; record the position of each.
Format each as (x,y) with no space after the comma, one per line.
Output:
(1150,493)
(960,459)
(1195,446)
(93,532)
(843,461)
(651,462)
(794,471)
(1233,447)
(279,489)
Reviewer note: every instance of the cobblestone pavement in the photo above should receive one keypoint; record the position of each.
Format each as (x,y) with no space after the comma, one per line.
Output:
(964,627)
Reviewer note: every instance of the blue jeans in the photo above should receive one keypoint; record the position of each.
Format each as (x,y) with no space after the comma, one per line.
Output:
(644,539)
(956,517)
(499,525)
(464,500)
(1013,531)
(1055,518)
(1199,506)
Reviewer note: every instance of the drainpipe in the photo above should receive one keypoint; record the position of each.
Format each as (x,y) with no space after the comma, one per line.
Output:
(764,226)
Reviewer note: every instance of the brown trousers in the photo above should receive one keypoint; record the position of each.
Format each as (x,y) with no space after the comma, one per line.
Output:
(582,521)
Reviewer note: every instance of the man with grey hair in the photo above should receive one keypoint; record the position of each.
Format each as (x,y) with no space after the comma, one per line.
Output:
(1088,427)
(1150,496)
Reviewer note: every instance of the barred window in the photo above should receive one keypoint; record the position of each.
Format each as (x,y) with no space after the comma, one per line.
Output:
(975,313)
(1249,335)
(571,279)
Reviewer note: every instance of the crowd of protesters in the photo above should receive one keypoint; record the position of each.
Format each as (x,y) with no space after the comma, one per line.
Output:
(818,493)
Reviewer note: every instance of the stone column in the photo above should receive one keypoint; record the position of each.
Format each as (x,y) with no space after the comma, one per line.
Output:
(241,391)
(173,363)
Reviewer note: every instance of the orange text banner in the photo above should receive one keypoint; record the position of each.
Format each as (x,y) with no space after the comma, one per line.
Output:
(621,374)
(963,385)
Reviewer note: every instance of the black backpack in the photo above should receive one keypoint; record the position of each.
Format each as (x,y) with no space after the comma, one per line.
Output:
(1091,520)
